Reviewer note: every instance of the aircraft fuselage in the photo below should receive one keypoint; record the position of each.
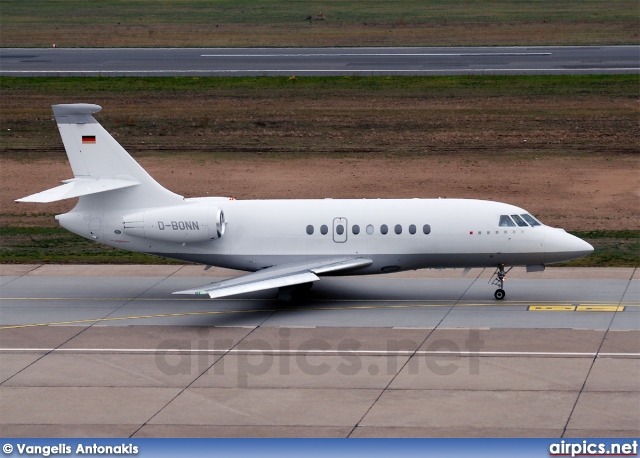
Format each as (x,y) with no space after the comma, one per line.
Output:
(395,234)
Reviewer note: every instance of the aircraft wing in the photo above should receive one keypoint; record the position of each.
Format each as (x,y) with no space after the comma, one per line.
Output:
(277,276)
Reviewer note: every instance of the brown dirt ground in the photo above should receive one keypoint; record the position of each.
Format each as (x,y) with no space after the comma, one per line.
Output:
(319,35)
(576,193)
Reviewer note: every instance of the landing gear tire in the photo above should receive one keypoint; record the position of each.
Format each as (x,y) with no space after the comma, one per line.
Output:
(499,294)
(303,287)
(286,294)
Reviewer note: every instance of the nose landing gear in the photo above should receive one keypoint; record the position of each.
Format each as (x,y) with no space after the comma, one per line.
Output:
(498,279)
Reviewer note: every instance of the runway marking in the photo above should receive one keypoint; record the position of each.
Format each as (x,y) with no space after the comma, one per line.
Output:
(134,317)
(600,308)
(576,308)
(553,308)
(59,50)
(278,352)
(217,312)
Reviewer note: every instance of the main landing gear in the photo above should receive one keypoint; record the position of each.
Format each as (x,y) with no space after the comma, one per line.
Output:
(292,293)
(497,279)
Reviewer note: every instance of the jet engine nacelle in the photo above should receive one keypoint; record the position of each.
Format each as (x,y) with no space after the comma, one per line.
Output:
(185,224)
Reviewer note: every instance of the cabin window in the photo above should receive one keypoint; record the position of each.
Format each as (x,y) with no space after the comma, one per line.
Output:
(324,230)
(310,229)
(412,229)
(426,229)
(398,229)
(505,221)
(355,229)
(531,220)
(339,229)
(384,229)
(519,221)
(370,229)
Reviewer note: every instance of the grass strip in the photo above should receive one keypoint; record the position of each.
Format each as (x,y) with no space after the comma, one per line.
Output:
(277,23)
(320,86)
(611,249)
(29,245)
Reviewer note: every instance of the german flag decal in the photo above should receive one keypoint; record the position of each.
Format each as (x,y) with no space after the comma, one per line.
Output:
(89,139)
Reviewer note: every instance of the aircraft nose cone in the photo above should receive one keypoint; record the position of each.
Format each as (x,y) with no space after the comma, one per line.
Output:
(561,246)
(583,248)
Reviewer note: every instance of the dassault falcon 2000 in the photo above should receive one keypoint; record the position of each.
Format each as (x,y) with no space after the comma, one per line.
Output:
(287,244)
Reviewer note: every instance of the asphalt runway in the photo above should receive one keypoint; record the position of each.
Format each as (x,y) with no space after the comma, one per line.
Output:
(106,351)
(317,61)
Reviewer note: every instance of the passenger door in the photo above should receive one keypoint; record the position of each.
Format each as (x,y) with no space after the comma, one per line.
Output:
(340,230)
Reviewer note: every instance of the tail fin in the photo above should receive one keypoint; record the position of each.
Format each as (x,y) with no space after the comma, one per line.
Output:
(100,164)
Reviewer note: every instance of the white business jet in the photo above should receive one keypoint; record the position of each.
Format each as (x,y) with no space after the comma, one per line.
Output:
(287,244)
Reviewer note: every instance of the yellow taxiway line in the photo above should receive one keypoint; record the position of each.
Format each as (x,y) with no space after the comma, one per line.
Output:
(584,307)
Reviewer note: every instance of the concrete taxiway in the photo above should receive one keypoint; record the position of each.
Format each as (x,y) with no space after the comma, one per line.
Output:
(108,351)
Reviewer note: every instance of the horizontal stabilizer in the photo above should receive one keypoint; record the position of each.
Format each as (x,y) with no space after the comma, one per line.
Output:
(278,276)
(77,187)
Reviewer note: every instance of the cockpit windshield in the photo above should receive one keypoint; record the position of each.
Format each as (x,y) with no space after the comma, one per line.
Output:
(505,221)
(520,220)
(531,220)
